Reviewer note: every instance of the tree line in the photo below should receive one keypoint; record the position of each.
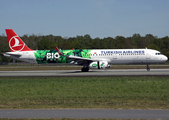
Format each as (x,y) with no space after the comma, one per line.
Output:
(86,42)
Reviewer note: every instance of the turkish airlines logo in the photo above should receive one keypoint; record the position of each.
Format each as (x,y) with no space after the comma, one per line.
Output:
(15,44)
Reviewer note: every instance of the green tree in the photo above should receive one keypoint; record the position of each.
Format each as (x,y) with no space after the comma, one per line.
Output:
(87,41)
(46,44)
(81,41)
(68,44)
(76,44)
(148,39)
(120,42)
(4,47)
(110,43)
(135,40)
(153,46)
(96,43)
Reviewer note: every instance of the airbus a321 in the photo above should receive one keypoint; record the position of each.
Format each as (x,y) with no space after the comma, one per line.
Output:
(88,58)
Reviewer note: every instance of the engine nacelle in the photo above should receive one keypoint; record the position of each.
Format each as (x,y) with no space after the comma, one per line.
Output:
(99,65)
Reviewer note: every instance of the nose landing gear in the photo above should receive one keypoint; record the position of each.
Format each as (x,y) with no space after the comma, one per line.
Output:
(148,69)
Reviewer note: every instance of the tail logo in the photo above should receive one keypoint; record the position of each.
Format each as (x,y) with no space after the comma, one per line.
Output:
(15,44)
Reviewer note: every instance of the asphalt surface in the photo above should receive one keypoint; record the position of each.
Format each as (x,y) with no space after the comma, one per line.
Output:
(106,72)
(86,113)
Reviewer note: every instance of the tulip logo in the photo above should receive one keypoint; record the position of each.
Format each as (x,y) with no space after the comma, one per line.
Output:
(16,44)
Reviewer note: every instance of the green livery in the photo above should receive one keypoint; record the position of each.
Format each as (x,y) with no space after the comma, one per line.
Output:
(94,65)
(52,56)
(94,59)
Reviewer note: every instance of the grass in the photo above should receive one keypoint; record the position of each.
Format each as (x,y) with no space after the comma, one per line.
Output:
(84,92)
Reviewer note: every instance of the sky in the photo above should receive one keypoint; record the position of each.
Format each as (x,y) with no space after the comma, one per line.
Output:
(98,18)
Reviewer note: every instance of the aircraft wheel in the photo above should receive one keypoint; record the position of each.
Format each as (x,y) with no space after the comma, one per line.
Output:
(85,69)
(148,69)
(82,69)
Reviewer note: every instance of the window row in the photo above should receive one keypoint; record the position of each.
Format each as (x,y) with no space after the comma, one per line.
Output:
(158,54)
(109,54)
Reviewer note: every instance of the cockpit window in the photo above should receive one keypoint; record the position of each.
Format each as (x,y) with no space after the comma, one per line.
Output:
(158,54)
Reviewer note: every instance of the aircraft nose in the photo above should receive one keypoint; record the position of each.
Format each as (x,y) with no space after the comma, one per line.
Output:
(165,58)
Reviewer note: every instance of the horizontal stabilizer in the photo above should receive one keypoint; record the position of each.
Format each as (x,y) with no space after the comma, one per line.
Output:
(10,54)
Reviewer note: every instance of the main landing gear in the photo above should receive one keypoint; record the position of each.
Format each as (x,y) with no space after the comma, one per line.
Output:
(148,69)
(85,69)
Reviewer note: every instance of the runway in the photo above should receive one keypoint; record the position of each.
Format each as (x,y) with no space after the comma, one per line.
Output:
(78,73)
(86,113)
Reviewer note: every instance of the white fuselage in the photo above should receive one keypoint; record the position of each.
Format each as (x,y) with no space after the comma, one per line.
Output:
(112,56)
(26,56)
(129,56)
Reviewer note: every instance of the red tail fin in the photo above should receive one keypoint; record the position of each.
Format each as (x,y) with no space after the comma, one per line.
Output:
(15,43)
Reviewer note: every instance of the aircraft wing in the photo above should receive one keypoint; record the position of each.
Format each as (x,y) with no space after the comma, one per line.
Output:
(76,59)
(79,60)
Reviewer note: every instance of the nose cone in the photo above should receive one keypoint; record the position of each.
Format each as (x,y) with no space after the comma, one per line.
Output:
(165,58)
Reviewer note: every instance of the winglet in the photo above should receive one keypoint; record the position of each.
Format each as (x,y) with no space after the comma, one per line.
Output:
(60,53)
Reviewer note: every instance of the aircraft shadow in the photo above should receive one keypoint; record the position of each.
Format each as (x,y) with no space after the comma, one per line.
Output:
(77,72)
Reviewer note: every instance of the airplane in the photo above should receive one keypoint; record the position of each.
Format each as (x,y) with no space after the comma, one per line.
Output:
(88,58)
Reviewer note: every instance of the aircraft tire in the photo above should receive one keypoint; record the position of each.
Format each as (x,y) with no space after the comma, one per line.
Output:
(85,69)
(148,69)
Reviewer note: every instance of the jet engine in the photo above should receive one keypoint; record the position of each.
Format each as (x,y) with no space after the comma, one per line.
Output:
(99,65)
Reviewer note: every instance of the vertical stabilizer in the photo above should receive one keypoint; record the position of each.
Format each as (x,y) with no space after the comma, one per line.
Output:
(15,42)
